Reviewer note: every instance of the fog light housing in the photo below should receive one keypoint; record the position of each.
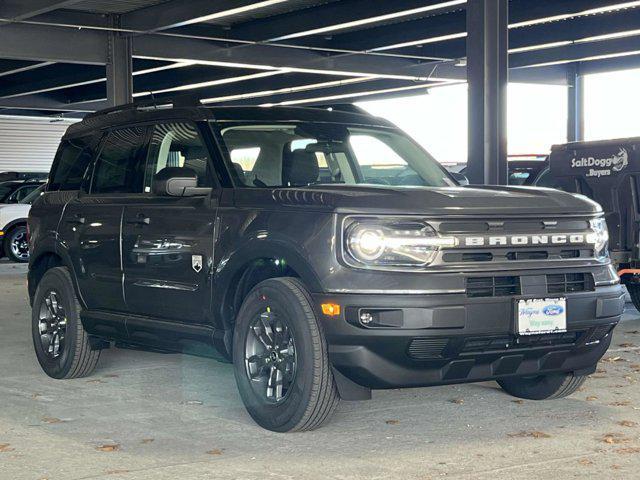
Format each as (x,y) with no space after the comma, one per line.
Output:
(381,318)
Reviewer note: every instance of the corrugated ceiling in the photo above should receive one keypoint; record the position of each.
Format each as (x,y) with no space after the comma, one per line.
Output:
(114,6)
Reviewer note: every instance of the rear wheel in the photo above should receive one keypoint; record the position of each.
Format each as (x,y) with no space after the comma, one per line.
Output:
(634,293)
(543,387)
(280,358)
(16,246)
(62,346)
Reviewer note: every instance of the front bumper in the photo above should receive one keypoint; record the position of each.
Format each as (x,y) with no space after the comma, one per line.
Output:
(443,339)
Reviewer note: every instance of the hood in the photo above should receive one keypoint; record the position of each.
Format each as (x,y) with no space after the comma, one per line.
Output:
(12,211)
(480,200)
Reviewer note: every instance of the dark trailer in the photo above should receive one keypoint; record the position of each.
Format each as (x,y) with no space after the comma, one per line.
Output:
(608,171)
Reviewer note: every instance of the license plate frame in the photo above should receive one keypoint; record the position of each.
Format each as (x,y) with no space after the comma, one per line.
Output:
(541,316)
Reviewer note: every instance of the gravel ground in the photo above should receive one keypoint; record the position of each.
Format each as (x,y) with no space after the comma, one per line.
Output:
(153,416)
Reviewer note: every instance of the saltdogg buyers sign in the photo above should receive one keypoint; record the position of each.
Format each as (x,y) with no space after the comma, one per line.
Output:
(602,167)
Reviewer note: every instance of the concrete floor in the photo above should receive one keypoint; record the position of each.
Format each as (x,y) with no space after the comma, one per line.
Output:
(152,416)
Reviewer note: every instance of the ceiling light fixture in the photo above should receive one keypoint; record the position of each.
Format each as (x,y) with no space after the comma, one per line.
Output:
(359,94)
(282,91)
(229,13)
(211,83)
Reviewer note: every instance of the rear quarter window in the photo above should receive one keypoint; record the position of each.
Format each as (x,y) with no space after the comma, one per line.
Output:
(71,163)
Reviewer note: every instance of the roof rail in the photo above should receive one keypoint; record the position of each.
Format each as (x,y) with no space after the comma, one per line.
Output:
(176,102)
(344,107)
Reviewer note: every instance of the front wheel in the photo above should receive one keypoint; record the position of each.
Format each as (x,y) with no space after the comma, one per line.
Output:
(543,387)
(280,358)
(16,245)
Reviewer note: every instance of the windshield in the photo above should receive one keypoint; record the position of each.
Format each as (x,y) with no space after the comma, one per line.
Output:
(6,189)
(301,154)
(29,199)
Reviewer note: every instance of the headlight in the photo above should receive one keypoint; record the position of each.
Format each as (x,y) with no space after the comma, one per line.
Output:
(599,237)
(391,242)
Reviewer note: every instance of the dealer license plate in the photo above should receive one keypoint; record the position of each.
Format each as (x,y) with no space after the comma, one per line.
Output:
(540,316)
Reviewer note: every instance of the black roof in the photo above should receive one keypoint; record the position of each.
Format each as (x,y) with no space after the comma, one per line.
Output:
(131,114)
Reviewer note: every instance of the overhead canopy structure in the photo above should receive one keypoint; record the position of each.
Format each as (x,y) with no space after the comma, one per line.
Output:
(53,53)
(77,56)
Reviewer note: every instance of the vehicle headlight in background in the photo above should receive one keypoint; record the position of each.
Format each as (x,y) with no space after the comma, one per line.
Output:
(599,237)
(392,242)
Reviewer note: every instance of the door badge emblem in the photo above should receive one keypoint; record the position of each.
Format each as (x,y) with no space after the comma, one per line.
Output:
(196,263)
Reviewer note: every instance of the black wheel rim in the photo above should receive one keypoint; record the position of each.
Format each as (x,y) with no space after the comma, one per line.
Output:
(270,356)
(52,325)
(20,246)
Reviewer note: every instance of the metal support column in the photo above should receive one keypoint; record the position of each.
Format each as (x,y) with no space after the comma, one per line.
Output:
(575,105)
(119,67)
(487,76)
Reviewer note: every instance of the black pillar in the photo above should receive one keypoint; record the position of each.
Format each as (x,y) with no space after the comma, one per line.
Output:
(119,67)
(575,105)
(487,76)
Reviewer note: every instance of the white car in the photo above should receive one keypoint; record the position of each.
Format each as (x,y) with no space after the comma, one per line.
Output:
(13,228)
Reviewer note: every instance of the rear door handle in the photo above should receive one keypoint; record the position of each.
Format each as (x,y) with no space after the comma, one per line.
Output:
(141,219)
(77,220)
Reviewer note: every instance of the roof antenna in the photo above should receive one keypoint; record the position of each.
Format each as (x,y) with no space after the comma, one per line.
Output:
(153,100)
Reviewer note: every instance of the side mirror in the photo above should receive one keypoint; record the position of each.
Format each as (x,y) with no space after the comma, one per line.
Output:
(177,182)
(460,178)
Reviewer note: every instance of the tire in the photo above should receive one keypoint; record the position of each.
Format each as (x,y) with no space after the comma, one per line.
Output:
(634,293)
(543,387)
(308,393)
(15,244)
(73,357)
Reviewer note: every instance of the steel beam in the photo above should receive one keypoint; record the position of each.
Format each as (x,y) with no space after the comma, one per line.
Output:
(17,10)
(576,52)
(119,68)
(41,102)
(270,57)
(487,76)
(52,44)
(575,105)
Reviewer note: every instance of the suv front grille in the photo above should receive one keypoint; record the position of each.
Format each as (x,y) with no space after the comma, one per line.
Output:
(493,286)
(493,241)
(570,282)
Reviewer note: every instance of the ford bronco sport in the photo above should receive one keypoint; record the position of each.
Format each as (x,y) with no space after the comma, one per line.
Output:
(323,252)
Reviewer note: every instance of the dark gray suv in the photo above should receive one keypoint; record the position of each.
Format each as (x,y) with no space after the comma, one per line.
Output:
(323,252)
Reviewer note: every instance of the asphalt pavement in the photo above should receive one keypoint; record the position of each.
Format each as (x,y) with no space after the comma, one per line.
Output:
(158,416)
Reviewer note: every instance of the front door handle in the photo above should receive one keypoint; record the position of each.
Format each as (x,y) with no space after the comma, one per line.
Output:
(77,220)
(141,219)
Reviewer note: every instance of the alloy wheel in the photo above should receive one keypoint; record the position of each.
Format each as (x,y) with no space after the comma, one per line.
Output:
(52,325)
(270,356)
(20,245)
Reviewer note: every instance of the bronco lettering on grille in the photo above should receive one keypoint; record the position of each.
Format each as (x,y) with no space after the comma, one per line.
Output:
(519,240)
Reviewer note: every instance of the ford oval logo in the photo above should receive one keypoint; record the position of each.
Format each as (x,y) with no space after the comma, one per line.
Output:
(552,310)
